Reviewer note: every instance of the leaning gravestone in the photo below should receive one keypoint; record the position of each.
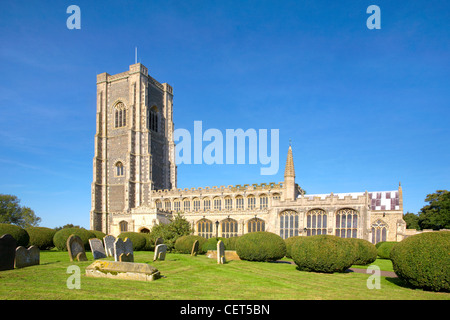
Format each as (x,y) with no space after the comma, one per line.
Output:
(194,248)
(109,245)
(123,247)
(220,252)
(75,247)
(26,257)
(7,252)
(160,252)
(158,241)
(97,248)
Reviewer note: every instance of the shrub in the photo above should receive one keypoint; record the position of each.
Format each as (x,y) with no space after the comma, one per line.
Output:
(289,242)
(149,242)
(184,244)
(230,243)
(21,235)
(260,246)
(384,249)
(98,234)
(211,244)
(41,237)
(61,236)
(423,260)
(323,253)
(364,251)
(138,239)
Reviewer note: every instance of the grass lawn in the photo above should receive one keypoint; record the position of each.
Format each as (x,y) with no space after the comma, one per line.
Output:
(192,278)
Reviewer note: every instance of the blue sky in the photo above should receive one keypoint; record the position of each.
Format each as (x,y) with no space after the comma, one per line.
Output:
(364,108)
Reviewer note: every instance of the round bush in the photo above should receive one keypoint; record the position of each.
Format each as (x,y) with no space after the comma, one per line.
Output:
(289,242)
(211,244)
(184,244)
(138,239)
(98,234)
(61,236)
(423,260)
(323,253)
(41,237)
(260,246)
(385,248)
(230,243)
(364,251)
(21,235)
(149,242)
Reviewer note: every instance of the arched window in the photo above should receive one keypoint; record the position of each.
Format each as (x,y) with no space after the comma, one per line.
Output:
(144,230)
(276,196)
(176,205)
(187,205)
(229,228)
(347,223)
(120,115)
(196,203)
(228,203)
(158,204)
(379,231)
(217,204)
(123,225)
(206,204)
(167,205)
(119,169)
(255,225)
(289,224)
(205,228)
(239,202)
(263,201)
(152,118)
(251,202)
(316,222)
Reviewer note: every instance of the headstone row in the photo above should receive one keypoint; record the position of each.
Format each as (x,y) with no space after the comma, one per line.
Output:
(19,257)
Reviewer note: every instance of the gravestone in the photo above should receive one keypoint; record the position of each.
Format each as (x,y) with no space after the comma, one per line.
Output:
(26,257)
(109,245)
(220,252)
(97,248)
(194,248)
(7,252)
(160,252)
(75,247)
(126,257)
(158,241)
(123,247)
(122,270)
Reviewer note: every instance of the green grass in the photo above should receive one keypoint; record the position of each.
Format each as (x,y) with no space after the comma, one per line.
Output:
(191,278)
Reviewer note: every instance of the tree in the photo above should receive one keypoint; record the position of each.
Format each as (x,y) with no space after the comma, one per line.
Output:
(412,220)
(13,213)
(436,215)
(170,232)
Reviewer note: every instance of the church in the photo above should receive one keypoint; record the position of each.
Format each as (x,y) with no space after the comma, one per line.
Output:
(135,180)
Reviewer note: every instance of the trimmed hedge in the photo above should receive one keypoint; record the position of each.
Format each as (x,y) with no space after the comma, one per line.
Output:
(61,236)
(289,242)
(423,260)
(98,234)
(41,237)
(364,251)
(138,239)
(211,243)
(21,235)
(260,246)
(384,249)
(184,244)
(323,253)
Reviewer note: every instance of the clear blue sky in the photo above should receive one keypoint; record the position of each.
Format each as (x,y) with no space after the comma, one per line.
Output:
(364,108)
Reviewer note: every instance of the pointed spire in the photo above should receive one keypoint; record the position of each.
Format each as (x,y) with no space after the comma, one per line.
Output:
(289,169)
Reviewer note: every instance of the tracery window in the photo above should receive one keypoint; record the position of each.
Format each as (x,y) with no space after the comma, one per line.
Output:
(316,222)
(205,228)
(251,202)
(239,202)
(206,204)
(196,203)
(379,231)
(152,118)
(228,203)
(187,205)
(276,196)
(120,115)
(167,205)
(255,225)
(347,223)
(176,205)
(289,224)
(229,228)
(217,204)
(123,225)
(263,201)
(158,204)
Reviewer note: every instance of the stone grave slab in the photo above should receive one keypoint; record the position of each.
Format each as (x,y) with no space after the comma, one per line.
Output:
(122,270)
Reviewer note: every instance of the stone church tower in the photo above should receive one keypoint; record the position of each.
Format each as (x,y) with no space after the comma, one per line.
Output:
(134,148)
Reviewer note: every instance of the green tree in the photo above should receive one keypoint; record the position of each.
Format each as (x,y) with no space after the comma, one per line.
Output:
(170,232)
(412,220)
(13,213)
(436,215)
